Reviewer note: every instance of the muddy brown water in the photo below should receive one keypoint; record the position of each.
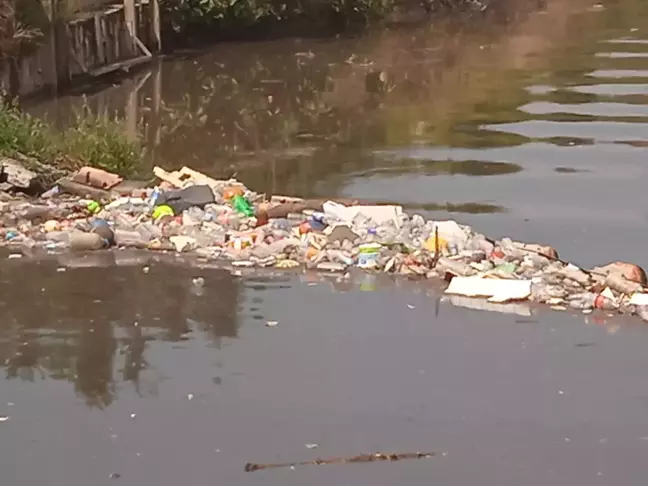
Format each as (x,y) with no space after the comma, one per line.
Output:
(536,128)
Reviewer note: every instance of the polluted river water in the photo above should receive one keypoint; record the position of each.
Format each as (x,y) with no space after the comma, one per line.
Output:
(534,127)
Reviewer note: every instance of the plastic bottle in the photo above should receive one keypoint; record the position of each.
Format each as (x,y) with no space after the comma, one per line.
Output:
(86,241)
(154,197)
(192,216)
(130,238)
(590,300)
(295,218)
(372,236)
(59,237)
(148,230)
(282,224)
(241,205)
(101,228)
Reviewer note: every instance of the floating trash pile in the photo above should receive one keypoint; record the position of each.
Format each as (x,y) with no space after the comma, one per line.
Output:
(222,220)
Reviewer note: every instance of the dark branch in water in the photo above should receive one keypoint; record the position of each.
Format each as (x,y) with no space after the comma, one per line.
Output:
(437,253)
(375,457)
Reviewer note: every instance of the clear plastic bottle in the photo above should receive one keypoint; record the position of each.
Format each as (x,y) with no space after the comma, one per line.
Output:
(590,300)
(59,236)
(192,216)
(282,224)
(130,238)
(372,236)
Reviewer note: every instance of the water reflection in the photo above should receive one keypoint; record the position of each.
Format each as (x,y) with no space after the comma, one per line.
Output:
(277,99)
(92,325)
(442,167)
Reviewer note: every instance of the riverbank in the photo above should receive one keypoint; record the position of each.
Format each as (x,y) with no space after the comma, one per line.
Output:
(90,140)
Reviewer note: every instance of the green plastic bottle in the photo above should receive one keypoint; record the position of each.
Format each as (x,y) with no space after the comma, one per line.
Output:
(241,205)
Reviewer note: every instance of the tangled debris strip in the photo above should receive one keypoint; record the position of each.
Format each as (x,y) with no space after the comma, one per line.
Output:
(222,221)
(375,457)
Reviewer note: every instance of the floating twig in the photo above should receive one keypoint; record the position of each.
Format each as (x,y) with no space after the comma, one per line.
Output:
(375,457)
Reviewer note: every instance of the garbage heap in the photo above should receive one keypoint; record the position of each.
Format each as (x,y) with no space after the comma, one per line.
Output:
(189,212)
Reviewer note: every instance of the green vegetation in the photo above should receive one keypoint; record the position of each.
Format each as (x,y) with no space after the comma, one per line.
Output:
(91,140)
(182,15)
(21,30)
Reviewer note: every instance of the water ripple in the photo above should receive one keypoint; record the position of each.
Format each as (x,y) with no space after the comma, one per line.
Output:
(596,109)
(611,89)
(619,73)
(600,131)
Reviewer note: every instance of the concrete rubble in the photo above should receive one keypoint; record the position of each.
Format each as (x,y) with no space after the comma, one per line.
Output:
(187,213)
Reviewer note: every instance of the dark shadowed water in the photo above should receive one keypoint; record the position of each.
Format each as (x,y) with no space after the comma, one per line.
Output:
(534,127)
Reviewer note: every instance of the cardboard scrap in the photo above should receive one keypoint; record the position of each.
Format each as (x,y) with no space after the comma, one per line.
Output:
(378,213)
(97,178)
(496,290)
(186,177)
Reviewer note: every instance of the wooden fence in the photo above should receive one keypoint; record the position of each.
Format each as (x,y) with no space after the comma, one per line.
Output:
(88,38)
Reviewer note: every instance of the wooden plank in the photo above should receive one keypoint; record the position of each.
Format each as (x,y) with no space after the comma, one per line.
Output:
(144,49)
(104,35)
(157,103)
(75,55)
(117,37)
(122,65)
(155,39)
(168,177)
(131,26)
(99,39)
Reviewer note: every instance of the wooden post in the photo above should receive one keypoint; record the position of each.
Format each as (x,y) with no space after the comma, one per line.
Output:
(155,40)
(52,73)
(131,26)
(157,102)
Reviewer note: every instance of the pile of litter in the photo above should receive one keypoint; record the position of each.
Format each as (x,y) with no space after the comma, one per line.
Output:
(222,220)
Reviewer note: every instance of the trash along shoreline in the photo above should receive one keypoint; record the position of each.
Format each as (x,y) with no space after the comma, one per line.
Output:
(222,223)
